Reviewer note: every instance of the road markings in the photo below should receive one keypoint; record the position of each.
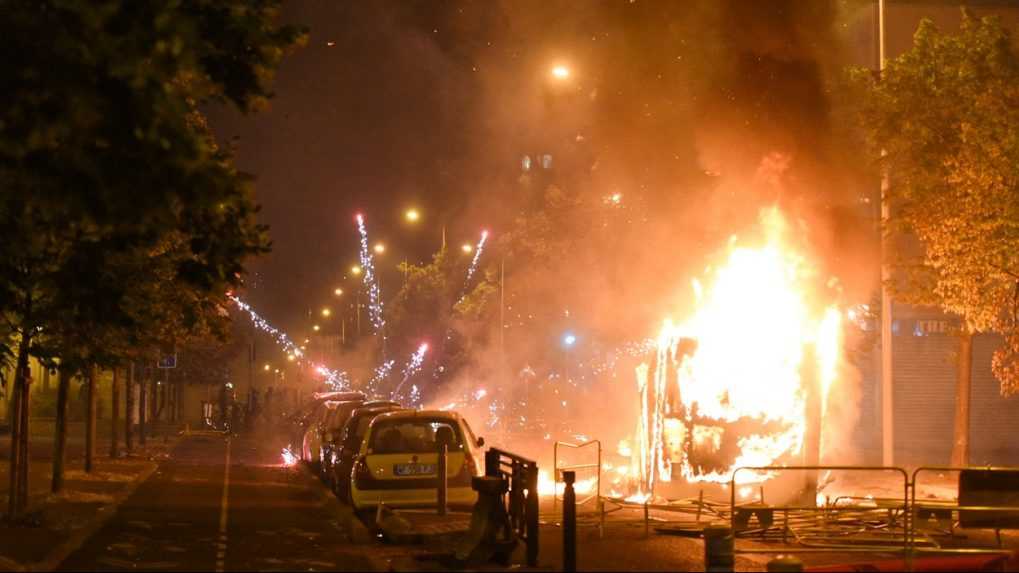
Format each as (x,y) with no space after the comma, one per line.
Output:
(221,545)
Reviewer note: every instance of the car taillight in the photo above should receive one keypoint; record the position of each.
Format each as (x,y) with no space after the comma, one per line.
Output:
(361,472)
(470,464)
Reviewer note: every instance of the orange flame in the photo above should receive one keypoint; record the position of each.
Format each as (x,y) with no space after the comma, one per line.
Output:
(733,374)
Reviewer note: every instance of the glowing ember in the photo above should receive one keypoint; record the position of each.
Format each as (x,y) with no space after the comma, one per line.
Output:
(727,388)
(289,458)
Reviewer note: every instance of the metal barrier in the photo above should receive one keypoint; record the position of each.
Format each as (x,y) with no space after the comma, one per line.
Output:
(522,498)
(831,528)
(944,512)
(575,467)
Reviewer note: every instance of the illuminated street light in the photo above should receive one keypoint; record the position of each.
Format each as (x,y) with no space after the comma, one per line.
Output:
(355,270)
(315,328)
(569,339)
(412,215)
(291,357)
(326,312)
(266,367)
(379,248)
(560,72)
(338,292)
(467,248)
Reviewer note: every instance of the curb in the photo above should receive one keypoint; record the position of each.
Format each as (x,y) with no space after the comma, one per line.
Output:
(335,506)
(78,538)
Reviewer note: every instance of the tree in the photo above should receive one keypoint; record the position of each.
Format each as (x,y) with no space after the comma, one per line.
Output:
(120,222)
(946,116)
(438,306)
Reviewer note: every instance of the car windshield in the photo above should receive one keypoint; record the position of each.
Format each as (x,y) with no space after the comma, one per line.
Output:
(414,436)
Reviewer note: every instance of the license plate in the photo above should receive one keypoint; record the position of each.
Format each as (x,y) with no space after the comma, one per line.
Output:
(413,469)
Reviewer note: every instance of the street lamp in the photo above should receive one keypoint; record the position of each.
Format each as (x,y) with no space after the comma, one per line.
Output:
(315,328)
(560,72)
(569,339)
(412,215)
(379,248)
(355,270)
(326,312)
(266,367)
(338,291)
(467,248)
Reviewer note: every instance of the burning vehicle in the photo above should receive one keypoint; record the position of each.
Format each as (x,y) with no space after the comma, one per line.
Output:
(744,381)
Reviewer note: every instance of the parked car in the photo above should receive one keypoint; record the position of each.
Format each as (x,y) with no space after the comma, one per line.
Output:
(308,413)
(397,462)
(331,424)
(345,449)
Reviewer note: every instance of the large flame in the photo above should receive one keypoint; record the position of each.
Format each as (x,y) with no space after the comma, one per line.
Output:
(728,387)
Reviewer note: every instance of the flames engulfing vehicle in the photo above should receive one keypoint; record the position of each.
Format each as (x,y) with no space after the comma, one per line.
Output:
(744,381)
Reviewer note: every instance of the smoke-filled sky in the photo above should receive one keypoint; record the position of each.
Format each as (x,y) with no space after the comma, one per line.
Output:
(697,113)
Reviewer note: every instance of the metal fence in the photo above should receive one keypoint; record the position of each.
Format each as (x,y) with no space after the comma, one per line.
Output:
(522,498)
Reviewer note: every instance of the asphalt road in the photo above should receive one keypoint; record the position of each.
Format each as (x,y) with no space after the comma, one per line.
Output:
(200,511)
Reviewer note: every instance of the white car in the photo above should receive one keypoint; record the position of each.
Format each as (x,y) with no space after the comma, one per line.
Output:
(398,461)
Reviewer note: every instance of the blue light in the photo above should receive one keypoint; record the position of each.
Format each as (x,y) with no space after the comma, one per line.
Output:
(569,339)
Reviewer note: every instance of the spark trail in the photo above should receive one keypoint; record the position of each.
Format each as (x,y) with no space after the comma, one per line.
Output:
(336,379)
(413,367)
(370,281)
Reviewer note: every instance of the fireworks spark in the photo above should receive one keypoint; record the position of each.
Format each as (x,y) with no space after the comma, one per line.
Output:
(370,282)
(477,255)
(336,379)
(379,376)
(262,324)
(289,459)
(413,366)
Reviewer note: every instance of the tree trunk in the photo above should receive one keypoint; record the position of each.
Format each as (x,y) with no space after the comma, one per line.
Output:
(26,414)
(90,420)
(115,414)
(141,409)
(129,410)
(963,391)
(159,396)
(18,426)
(60,435)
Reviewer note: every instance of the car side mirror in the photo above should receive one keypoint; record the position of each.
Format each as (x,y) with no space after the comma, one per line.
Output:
(481,442)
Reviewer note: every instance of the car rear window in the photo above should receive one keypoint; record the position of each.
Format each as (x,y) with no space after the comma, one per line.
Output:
(414,436)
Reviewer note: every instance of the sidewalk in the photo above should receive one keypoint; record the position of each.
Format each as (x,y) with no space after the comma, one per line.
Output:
(55,524)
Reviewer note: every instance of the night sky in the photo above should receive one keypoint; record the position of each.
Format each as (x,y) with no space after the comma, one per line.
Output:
(432,103)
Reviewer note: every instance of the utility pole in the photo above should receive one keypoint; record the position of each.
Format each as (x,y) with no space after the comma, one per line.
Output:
(502,319)
(887,422)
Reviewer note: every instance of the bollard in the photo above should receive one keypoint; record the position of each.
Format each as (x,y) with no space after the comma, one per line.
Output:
(441,471)
(492,463)
(785,563)
(569,522)
(718,548)
(531,510)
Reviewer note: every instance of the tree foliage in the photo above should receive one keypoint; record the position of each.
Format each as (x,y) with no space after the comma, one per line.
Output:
(438,306)
(946,116)
(118,209)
